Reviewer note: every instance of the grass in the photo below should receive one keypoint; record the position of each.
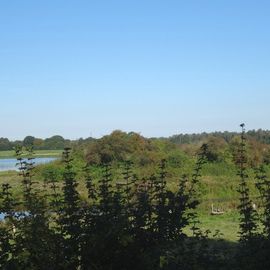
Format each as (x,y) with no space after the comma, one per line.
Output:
(227,224)
(12,178)
(37,153)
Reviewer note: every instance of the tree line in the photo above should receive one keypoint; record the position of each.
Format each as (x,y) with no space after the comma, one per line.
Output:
(53,143)
(260,135)
(57,142)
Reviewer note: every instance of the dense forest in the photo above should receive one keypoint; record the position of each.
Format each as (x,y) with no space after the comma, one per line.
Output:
(129,219)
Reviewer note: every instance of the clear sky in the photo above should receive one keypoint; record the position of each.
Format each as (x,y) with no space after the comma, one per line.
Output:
(84,68)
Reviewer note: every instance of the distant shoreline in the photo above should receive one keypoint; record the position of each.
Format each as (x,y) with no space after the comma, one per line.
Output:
(37,154)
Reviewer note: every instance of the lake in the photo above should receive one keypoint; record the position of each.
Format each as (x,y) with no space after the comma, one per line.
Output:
(9,164)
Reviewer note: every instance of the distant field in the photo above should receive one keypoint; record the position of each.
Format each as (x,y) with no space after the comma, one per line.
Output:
(37,153)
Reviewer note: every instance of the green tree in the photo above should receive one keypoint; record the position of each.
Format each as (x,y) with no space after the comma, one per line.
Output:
(216,149)
(5,144)
(28,140)
(70,218)
(248,226)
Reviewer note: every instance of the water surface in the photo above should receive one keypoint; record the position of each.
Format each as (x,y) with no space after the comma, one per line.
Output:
(9,164)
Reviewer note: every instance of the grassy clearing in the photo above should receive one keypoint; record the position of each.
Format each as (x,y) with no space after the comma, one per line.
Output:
(37,153)
(227,224)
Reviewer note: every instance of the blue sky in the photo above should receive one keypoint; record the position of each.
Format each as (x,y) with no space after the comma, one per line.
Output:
(85,68)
